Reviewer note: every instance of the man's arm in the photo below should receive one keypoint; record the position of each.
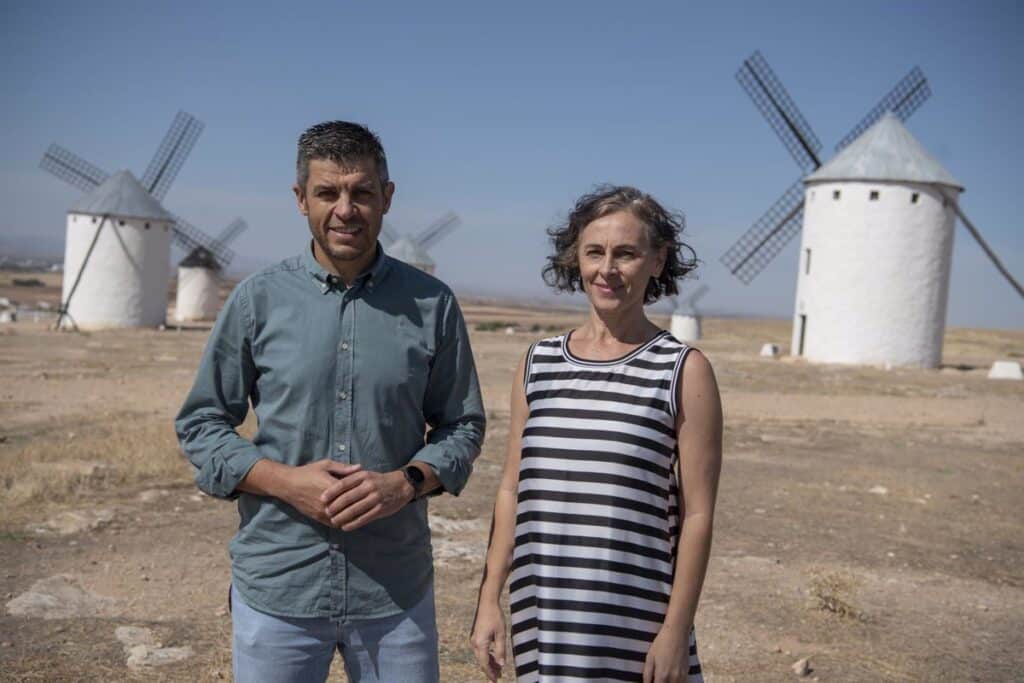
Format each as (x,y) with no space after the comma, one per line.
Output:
(226,463)
(452,405)
(219,402)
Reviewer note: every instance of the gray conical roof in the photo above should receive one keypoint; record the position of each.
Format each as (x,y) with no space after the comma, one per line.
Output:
(123,196)
(200,257)
(886,151)
(405,249)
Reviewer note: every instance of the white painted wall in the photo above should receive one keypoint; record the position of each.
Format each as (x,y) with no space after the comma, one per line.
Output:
(125,282)
(198,296)
(685,328)
(876,288)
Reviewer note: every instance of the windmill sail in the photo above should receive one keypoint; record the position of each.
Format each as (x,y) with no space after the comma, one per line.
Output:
(72,168)
(233,230)
(190,238)
(781,112)
(434,232)
(749,255)
(177,144)
(387,234)
(697,295)
(780,224)
(903,100)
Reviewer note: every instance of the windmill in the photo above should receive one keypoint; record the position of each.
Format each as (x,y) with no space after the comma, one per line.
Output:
(685,316)
(199,278)
(116,273)
(878,219)
(413,249)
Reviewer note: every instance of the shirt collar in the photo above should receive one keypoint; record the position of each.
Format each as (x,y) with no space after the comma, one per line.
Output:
(377,271)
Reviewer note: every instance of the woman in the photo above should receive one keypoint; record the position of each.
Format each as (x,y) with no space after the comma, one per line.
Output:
(604,513)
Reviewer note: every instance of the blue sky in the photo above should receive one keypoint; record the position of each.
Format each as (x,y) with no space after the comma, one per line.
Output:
(506,113)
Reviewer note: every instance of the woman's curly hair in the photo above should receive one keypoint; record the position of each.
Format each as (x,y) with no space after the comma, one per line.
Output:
(664,229)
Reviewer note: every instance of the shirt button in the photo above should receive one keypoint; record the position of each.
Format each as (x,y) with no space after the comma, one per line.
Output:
(342,395)
(344,346)
(341,447)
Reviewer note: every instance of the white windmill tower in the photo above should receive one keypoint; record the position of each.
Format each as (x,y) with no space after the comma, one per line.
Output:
(117,249)
(199,279)
(875,265)
(413,249)
(686,320)
(879,216)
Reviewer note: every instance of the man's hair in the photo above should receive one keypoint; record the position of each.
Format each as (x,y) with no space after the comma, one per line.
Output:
(341,142)
(664,229)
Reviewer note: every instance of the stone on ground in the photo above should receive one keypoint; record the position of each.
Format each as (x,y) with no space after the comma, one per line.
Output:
(60,597)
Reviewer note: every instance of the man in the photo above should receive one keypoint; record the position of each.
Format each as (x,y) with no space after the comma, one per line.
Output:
(347,357)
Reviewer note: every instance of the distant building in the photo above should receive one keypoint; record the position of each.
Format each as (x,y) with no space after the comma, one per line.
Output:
(875,255)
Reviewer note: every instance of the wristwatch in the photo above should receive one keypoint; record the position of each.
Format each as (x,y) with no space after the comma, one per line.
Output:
(414,475)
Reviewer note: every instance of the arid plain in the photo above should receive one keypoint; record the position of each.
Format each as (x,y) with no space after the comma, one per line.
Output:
(868,520)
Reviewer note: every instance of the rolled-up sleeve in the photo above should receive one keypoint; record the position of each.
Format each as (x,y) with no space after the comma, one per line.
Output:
(452,404)
(219,402)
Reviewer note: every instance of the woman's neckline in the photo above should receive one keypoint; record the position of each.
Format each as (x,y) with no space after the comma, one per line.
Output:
(573,358)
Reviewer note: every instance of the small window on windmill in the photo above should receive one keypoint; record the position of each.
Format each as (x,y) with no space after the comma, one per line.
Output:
(835,195)
(807,261)
(914,196)
(873,196)
(147,226)
(812,195)
(94,220)
(121,223)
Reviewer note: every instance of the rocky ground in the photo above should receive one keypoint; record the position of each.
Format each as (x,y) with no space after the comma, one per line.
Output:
(869,521)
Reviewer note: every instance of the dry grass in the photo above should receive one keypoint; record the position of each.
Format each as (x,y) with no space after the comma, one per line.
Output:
(70,463)
(835,592)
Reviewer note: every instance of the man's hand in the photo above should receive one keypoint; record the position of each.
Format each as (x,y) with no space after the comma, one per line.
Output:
(299,486)
(361,497)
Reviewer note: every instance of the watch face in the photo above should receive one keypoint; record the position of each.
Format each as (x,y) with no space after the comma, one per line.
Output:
(415,474)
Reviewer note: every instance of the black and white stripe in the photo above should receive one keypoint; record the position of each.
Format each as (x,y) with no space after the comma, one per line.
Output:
(597,515)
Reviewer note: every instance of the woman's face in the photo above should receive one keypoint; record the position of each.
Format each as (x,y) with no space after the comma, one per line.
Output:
(617,262)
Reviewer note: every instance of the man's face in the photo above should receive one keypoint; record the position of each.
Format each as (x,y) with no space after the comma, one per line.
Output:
(345,206)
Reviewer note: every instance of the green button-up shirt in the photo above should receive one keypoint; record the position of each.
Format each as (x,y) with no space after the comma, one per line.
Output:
(357,375)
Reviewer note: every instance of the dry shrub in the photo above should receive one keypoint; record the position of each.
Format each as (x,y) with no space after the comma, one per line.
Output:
(834,591)
(74,459)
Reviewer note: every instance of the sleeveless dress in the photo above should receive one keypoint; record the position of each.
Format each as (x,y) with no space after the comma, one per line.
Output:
(597,514)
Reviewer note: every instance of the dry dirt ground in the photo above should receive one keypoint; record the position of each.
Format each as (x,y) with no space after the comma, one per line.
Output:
(870,520)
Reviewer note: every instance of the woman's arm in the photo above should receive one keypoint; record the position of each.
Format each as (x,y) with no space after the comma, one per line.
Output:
(699,433)
(488,635)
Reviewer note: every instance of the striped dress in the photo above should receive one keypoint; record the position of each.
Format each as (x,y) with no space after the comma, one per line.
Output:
(597,514)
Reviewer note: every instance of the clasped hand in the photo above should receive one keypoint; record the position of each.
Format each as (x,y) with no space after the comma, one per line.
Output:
(346,496)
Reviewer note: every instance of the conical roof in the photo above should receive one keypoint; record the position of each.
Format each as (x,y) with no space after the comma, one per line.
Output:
(200,257)
(405,249)
(886,151)
(123,196)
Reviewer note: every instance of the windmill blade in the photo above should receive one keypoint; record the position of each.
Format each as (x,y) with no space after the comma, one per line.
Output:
(189,238)
(387,234)
(903,100)
(697,295)
(987,249)
(233,230)
(72,168)
(433,233)
(175,148)
(781,112)
(766,238)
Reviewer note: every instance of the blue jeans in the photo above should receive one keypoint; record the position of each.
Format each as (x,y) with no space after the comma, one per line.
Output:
(397,649)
